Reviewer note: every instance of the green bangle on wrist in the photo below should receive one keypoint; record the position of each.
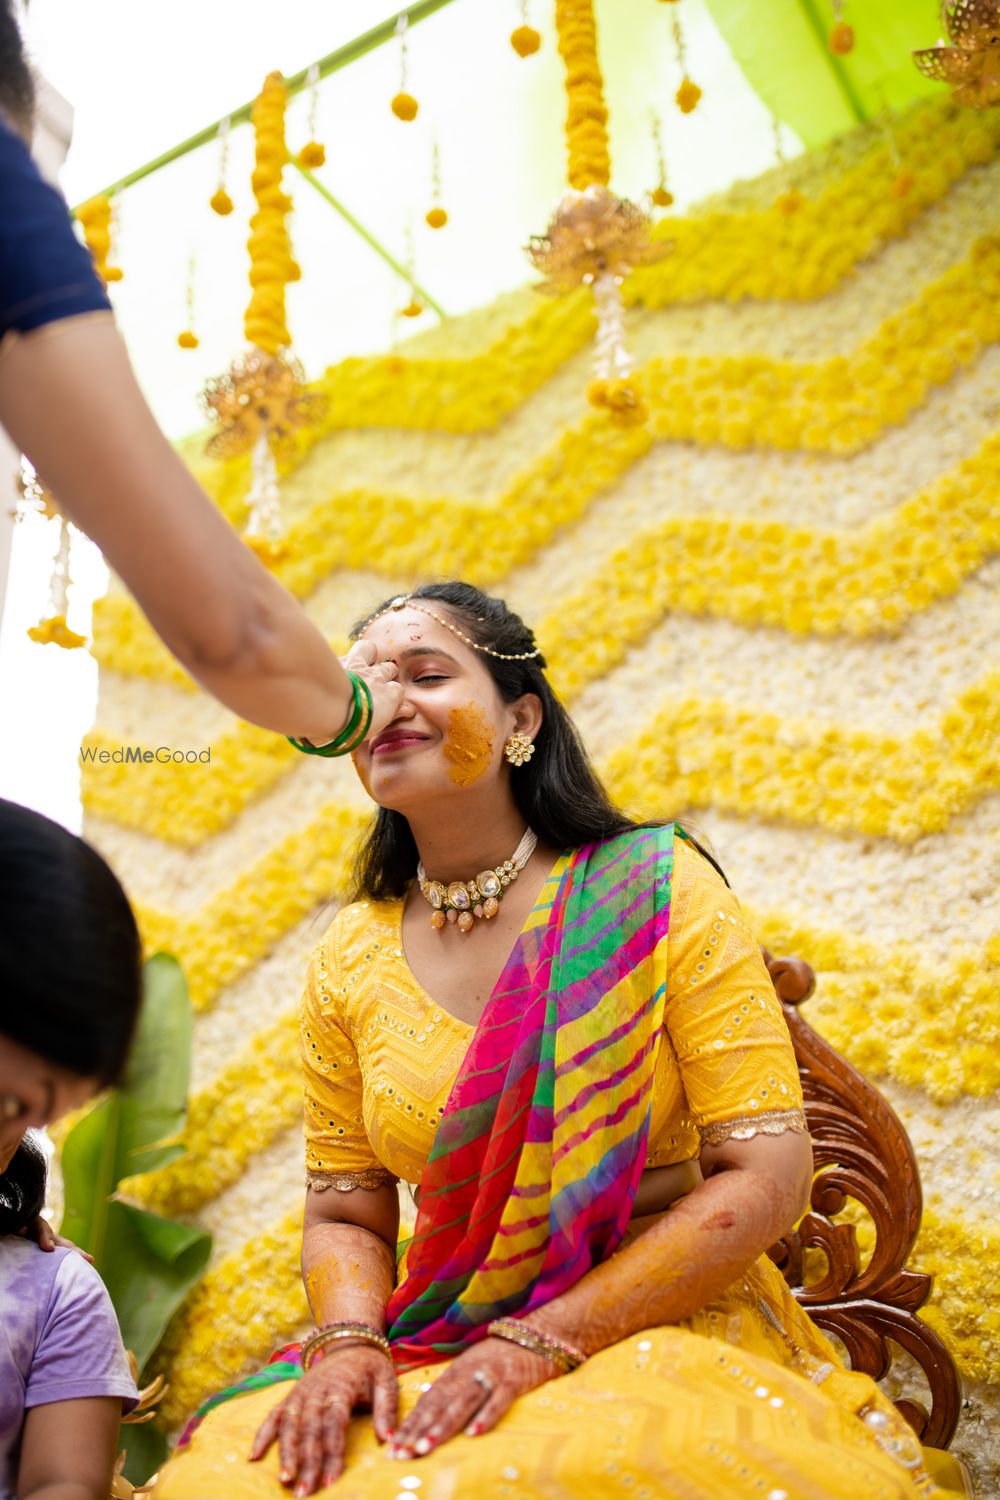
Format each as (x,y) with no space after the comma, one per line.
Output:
(354,731)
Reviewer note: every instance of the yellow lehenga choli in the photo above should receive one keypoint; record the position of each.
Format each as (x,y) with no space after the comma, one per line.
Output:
(746,1399)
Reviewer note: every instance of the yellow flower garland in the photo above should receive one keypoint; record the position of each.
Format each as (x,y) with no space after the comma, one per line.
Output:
(587,115)
(248,1104)
(95,220)
(226,1327)
(869,579)
(271,263)
(805,771)
(241,924)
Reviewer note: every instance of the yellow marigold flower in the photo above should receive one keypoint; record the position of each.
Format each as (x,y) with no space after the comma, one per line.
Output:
(313,154)
(404,106)
(525,40)
(221,202)
(437,218)
(187,339)
(842,39)
(687,96)
(55,632)
(789,202)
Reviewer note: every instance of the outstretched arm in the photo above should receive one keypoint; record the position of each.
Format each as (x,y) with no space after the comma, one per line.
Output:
(70,401)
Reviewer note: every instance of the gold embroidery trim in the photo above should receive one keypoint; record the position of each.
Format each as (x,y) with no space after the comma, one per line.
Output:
(346,1182)
(745,1127)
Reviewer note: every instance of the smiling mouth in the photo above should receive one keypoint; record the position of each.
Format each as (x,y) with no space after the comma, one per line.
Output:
(405,742)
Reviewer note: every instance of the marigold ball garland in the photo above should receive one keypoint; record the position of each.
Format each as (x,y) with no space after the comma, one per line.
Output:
(594,238)
(95,220)
(261,399)
(271,264)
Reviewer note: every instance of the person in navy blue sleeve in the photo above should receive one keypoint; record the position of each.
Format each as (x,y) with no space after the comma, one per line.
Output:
(71,403)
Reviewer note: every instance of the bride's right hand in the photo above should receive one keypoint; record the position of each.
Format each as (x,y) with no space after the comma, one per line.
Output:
(382,679)
(310,1425)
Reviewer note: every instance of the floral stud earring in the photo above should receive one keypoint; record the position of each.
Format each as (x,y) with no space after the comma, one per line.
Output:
(519,749)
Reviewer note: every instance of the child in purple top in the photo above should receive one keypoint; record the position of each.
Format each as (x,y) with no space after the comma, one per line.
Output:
(59,1343)
(70,986)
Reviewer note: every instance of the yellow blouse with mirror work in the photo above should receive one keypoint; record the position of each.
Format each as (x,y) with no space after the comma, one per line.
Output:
(380,1056)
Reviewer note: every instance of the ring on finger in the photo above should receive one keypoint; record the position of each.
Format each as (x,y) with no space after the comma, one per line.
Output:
(481,1378)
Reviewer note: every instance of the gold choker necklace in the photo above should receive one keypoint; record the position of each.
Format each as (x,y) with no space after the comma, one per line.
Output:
(463,900)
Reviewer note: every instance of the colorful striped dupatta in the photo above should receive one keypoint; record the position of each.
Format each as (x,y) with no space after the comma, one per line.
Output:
(535,1164)
(537,1159)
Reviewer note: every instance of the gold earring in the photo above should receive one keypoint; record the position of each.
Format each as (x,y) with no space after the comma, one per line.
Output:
(519,749)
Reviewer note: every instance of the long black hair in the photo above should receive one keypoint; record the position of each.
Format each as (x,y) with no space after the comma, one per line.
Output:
(17,87)
(557,791)
(70,972)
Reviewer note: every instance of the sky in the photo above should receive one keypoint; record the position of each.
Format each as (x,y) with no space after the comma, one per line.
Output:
(141,77)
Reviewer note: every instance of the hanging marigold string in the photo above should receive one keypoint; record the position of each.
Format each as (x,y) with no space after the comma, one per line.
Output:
(661,194)
(95,220)
(689,93)
(841,32)
(524,39)
(313,153)
(220,200)
(35,499)
(789,200)
(415,306)
(187,338)
(594,238)
(436,216)
(403,104)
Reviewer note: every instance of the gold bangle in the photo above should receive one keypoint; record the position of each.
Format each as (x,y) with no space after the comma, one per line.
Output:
(564,1355)
(331,1332)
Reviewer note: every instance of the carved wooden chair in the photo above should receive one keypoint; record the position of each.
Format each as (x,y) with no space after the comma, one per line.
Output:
(862,1151)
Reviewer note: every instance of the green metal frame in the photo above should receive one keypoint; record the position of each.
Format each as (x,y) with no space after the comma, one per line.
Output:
(348,53)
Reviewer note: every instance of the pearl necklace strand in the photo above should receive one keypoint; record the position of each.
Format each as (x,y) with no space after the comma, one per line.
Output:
(463,900)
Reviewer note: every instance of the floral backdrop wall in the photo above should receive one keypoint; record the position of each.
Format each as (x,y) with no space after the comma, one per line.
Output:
(773,609)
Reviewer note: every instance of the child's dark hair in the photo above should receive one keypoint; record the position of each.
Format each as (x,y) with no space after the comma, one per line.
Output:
(70,951)
(22,1188)
(557,791)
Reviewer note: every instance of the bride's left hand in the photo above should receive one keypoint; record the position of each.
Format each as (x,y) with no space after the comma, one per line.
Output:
(458,1402)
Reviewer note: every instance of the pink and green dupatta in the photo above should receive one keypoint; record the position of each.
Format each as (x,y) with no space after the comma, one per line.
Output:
(537,1159)
(535,1164)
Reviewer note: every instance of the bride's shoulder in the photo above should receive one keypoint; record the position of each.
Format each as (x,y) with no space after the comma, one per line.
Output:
(360,923)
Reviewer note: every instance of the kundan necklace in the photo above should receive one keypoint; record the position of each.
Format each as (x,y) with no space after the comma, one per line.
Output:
(464,899)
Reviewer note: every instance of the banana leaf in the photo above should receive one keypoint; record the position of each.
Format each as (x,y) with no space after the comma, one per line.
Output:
(149,1264)
(134,1128)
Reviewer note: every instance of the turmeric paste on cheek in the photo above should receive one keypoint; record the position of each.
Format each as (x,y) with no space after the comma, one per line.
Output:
(469,746)
(356,762)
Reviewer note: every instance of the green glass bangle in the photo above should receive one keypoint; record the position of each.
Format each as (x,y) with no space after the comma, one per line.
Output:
(366,719)
(361,711)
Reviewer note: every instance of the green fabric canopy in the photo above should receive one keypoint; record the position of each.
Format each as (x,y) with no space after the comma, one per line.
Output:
(783,48)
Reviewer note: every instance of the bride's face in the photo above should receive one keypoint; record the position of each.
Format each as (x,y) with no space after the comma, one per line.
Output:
(451,726)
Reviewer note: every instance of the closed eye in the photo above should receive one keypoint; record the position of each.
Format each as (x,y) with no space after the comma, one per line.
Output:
(431,677)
